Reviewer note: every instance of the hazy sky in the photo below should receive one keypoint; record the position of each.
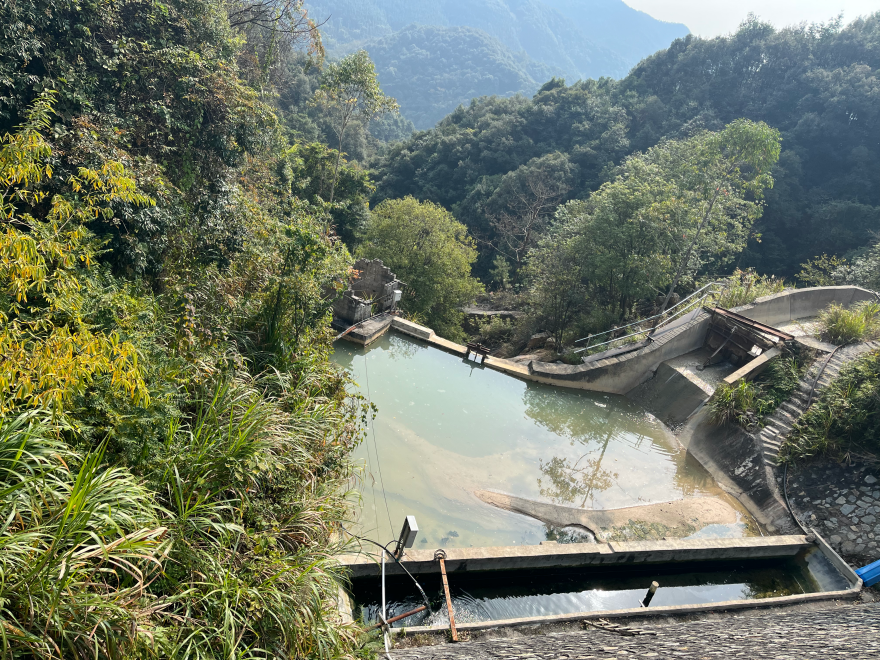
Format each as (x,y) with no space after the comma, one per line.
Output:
(709,18)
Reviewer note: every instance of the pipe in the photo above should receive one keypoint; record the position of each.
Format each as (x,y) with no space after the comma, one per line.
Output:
(651,591)
(399,617)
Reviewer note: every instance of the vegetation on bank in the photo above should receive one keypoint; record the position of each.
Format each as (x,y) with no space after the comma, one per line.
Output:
(748,402)
(431,253)
(174,445)
(844,423)
(848,325)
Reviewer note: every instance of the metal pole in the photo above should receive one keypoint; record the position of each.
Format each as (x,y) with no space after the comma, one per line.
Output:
(441,555)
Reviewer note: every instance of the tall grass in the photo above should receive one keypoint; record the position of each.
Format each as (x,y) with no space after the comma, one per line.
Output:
(224,547)
(747,402)
(254,488)
(746,286)
(841,325)
(845,421)
(80,546)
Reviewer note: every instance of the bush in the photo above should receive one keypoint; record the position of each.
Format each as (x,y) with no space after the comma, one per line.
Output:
(746,286)
(840,325)
(846,418)
(748,402)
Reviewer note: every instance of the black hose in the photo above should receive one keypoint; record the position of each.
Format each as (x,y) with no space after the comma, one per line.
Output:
(385,548)
(787,503)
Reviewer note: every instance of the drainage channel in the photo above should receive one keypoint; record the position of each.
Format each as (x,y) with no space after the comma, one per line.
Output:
(516,594)
(509,586)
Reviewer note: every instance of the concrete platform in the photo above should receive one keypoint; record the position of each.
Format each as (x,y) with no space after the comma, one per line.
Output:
(369,331)
(551,555)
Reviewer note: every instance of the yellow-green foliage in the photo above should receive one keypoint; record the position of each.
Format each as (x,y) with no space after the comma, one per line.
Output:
(842,325)
(47,352)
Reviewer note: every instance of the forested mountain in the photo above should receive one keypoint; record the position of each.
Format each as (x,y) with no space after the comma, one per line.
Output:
(435,69)
(541,38)
(819,85)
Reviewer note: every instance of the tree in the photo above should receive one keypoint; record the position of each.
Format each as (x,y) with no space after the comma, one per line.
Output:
(48,352)
(525,200)
(719,172)
(350,91)
(683,208)
(431,252)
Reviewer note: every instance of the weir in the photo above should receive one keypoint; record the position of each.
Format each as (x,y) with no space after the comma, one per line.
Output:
(614,455)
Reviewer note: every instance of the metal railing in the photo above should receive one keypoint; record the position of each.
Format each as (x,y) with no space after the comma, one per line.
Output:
(684,306)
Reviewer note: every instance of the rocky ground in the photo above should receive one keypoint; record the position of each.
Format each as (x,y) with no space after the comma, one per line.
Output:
(842,503)
(840,631)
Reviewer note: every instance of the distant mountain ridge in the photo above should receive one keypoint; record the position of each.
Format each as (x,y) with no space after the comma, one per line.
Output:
(528,40)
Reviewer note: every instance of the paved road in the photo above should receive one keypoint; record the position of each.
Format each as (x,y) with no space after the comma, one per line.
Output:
(845,632)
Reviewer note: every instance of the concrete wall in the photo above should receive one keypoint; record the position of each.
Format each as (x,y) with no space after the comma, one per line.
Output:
(794,304)
(550,555)
(622,373)
(375,282)
(736,460)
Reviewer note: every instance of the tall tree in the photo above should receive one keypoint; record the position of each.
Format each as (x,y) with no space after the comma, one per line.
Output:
(683,208)
(431,252)
(350,91)
(525,200)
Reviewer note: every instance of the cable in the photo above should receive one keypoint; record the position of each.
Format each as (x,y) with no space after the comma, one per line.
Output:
(385,548)
(376,446)
(787,503)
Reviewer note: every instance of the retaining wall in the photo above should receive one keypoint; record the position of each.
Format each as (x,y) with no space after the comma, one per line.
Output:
(622,373)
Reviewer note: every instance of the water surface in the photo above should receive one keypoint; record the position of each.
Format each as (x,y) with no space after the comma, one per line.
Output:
(447,427)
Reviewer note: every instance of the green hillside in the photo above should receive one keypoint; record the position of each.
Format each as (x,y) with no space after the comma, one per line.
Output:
(819,85)
(539,37)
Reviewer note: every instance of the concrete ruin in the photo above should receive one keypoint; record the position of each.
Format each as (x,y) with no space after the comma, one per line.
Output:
(375,289)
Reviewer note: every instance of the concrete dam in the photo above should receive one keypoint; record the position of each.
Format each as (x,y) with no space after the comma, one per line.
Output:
(501,457)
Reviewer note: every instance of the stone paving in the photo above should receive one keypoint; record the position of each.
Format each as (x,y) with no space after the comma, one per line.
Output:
(846,631)
(843,504)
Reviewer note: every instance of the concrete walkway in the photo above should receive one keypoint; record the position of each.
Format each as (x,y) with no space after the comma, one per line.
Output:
(846,631)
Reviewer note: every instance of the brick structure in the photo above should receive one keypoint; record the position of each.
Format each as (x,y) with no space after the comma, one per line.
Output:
(375,289)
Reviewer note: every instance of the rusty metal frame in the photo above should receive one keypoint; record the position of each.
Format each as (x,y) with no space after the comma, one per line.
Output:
(760,327)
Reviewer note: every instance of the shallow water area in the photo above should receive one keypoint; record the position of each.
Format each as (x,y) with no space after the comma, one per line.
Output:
(447,427)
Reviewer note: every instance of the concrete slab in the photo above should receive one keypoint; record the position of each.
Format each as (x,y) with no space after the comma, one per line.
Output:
(369,331)
(580,554)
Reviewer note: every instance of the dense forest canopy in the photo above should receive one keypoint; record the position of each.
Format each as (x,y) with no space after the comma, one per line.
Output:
(819,85)
(448,50)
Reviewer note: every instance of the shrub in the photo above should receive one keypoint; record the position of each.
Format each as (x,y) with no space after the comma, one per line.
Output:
(746,286)
(734,403)
(846,418)
(748,402)
(841,325)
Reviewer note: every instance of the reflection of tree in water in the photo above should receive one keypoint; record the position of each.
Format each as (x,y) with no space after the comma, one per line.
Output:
(402,349)
(565,481)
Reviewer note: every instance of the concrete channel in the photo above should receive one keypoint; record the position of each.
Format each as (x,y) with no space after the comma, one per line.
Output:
(612,554)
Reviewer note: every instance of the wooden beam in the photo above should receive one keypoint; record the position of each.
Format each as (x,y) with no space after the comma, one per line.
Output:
(754,367)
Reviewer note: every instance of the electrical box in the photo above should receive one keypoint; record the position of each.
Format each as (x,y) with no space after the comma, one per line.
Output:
(397,295)
(407,534)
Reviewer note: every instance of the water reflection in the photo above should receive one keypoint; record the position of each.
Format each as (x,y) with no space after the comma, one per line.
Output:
(444,430)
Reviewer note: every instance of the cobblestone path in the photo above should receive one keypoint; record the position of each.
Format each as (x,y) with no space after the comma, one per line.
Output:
(851,631)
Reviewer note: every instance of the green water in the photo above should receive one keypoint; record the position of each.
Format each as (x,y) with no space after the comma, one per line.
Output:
(447,427)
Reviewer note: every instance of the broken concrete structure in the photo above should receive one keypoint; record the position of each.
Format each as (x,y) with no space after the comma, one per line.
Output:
(375,289)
